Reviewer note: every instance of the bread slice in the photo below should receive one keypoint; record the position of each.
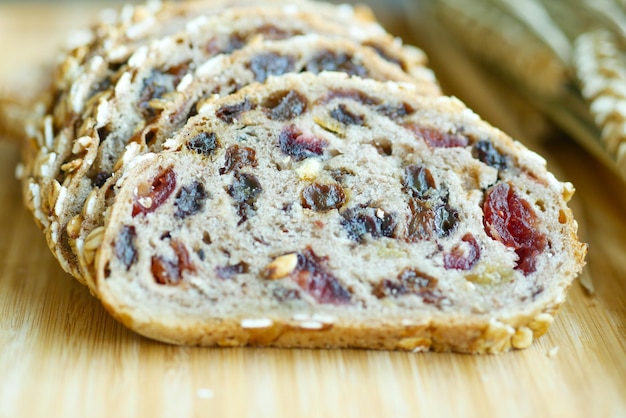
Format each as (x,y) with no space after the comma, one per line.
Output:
(101,105)
(328,211)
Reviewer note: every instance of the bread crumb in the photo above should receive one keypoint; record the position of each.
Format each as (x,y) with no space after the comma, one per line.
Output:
(553,351)
(205,393)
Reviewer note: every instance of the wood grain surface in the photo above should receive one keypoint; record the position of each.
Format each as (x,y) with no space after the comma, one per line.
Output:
(62,355)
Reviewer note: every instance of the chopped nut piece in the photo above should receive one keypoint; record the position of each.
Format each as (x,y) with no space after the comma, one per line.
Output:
(282,266)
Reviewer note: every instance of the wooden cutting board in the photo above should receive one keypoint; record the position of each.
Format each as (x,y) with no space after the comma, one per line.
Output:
(62,355)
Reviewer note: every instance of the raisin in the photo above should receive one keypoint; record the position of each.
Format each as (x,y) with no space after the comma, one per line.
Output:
(362,220)
(245,190)
(485,152)
(343,115)
(333,61)
(238,157)
(270,63)
(169,272)
(100,86)
(418,180)
(190,200)
(154,87)
(282,294)
(235,42)
(285,105)
(229,113)
(149,200)
(460,259)
(178,72)
(380,50)
(435,138)
(312,275)
(512,221)
(350,94)
(273,33)
(230,271)
(428,217)
(323,197)
(100,178)
(103,133)
(395,112)
(409,282)
(299,146)
(125,249)
(204,143)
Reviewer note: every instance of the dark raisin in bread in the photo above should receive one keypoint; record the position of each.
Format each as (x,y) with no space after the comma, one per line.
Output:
(101,105)
(361,215)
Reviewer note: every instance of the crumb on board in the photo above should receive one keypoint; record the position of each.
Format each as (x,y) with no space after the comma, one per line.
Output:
(553,351)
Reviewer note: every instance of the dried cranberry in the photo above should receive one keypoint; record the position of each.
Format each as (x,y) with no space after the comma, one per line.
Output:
(323,197)
(312,275)
(298,145)
(204,143)
(125,249)
(230,271)
(270,63)
(190,200)
(245,190)
(343,115)
(463,255)
(229,113)
(362,220)
(238,157)
(485,152)
(333,61)
(436,138)
(512,221)
(149,200)
(285,105)
(170,272)
(417,180)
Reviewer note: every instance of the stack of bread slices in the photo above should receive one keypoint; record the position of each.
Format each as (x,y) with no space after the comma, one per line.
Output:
(224,172)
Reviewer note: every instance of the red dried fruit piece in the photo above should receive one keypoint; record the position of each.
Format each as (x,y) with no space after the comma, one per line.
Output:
(271,63)
(512,221)
(343,115)
(322,197)
(362,220)
(333,61)
(125,249)
(312,275)
(463,256)
(230,271)
(285,105)
(168,272)
(190,200)
(238,157)
(299,146)
(436,138)
(229,113)
(205,143)
(148,199)
(418,180)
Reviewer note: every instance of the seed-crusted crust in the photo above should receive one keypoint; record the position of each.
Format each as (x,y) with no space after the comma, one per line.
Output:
(499,296)
(65,161)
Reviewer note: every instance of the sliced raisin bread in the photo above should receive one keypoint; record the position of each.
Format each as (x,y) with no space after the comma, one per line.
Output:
(221,75)
(327,211)
(94,117)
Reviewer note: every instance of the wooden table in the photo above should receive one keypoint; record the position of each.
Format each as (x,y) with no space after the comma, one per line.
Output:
(62,355)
